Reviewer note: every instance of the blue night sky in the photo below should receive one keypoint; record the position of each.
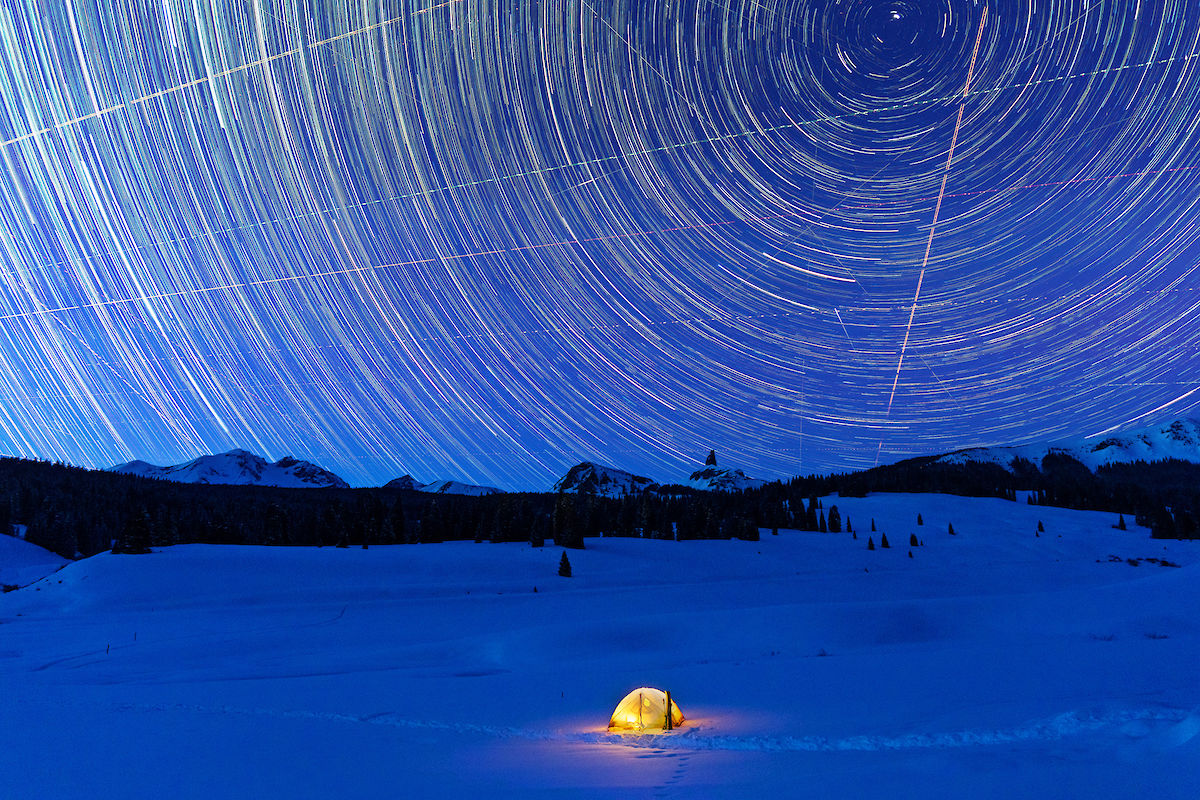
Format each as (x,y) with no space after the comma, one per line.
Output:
(488,239)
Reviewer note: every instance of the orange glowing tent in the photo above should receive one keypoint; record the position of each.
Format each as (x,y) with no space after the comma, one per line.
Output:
(645,709)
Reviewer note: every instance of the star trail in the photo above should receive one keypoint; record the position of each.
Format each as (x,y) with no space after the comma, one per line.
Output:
(488,240)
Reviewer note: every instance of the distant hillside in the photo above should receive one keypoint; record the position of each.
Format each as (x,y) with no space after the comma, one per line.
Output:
(1153,471)
(239,468)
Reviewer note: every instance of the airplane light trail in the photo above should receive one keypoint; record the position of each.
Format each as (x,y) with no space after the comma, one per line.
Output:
(936,211)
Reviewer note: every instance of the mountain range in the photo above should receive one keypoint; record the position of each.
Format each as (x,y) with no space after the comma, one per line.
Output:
(241,468)
(1178,440)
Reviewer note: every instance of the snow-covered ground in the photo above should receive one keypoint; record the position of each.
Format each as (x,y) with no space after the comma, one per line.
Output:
(992,664)
(22,562)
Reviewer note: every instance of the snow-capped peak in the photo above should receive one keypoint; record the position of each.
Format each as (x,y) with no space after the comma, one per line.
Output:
(597,479)
(714,478)
(1178,440)
(241,468)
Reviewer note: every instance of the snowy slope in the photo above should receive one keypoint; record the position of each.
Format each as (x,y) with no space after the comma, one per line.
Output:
(711,477)
(994,663)
(23,562)
(1177,440)
(442,487)
(406,482)
(241,468)
(455,487)
(597,479)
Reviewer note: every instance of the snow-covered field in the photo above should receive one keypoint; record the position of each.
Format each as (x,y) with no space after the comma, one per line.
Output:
(992,664)
(22,562)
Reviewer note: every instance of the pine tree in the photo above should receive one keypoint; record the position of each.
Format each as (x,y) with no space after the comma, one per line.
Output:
(564,565)
(872,523)
(919,520)
(821,524)
(835,520)
(1041,527)
(1121,522)
(849,527)
(883,542)
(870,543)
(910,554)
(912,540)
(952,529)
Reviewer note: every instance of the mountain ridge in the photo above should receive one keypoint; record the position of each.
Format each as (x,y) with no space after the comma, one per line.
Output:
(238,467)
(1178,440)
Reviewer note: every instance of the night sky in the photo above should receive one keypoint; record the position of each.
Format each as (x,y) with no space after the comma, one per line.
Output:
(487,240)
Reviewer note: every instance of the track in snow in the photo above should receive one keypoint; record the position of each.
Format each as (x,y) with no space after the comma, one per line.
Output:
(1184,726)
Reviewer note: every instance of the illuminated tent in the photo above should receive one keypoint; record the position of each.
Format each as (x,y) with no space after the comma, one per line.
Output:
(645,709)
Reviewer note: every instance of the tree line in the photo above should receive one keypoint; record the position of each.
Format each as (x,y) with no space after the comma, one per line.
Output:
(77,512)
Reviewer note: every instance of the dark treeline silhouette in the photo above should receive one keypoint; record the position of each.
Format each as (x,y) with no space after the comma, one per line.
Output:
(77,512)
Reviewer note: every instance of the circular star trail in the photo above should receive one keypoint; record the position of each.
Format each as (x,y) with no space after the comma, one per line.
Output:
(487,240)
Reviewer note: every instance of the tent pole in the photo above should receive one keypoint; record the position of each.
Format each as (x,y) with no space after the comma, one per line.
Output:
(670,722)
